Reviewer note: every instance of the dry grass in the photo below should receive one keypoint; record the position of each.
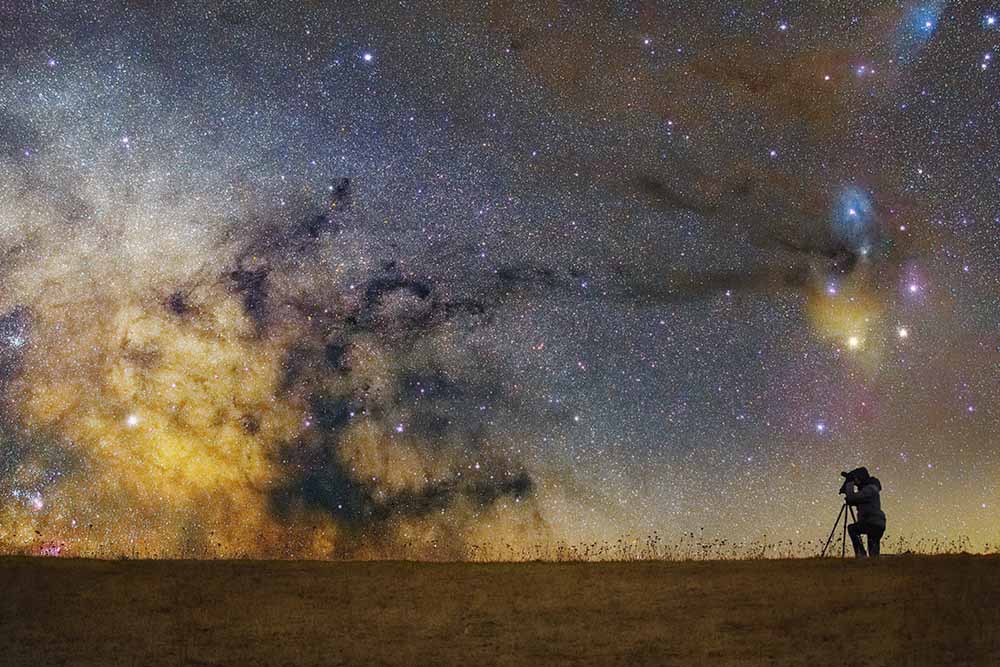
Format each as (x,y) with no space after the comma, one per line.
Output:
(902,610)
(653,547)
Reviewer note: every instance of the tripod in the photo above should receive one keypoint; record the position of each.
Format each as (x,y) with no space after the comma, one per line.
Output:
(843,544)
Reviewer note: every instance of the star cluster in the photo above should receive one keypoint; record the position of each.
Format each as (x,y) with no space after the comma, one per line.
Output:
(370,279)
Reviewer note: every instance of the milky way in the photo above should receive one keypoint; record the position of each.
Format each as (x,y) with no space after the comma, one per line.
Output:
(419,279)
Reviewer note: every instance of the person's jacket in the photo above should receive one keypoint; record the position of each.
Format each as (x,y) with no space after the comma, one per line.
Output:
(866,499)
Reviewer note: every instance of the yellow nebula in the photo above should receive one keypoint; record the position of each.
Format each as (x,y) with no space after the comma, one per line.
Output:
(851,319)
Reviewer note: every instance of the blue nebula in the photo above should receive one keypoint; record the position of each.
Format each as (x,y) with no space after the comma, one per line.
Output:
(855,221)
(918,25)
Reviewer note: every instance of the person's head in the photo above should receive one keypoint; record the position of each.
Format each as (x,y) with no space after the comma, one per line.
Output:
(859,476)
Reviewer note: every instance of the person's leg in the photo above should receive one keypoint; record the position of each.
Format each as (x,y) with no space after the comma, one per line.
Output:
(874,537)
(854,530)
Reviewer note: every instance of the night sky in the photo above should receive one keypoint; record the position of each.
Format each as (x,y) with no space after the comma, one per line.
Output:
(323,279)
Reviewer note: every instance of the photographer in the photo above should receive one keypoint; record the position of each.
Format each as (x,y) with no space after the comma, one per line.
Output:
(862,491)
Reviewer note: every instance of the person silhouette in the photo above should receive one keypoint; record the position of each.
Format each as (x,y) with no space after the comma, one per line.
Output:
(861,490)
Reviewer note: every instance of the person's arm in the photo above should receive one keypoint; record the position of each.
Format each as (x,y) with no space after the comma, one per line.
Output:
(856,497)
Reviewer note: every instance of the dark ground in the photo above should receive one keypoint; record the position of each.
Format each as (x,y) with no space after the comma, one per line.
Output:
(913,610)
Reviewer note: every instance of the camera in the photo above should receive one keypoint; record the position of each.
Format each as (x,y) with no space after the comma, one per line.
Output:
(848,480)
(856,476)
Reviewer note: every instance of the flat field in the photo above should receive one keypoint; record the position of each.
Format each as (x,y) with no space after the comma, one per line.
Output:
(903,610)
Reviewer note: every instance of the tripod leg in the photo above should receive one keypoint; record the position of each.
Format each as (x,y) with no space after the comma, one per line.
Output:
(854,519)
(832,531)
(843,538)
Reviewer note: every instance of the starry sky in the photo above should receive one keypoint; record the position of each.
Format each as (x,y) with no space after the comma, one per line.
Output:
(320,279)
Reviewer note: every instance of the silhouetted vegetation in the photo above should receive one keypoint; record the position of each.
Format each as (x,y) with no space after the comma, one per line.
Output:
(652,547)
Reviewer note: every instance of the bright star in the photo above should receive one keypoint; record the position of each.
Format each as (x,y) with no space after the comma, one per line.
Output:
(132,421)
(367,57)
(853,342)
(902,332)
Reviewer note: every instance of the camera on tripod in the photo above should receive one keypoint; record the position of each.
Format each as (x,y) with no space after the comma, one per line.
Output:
(856,476)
